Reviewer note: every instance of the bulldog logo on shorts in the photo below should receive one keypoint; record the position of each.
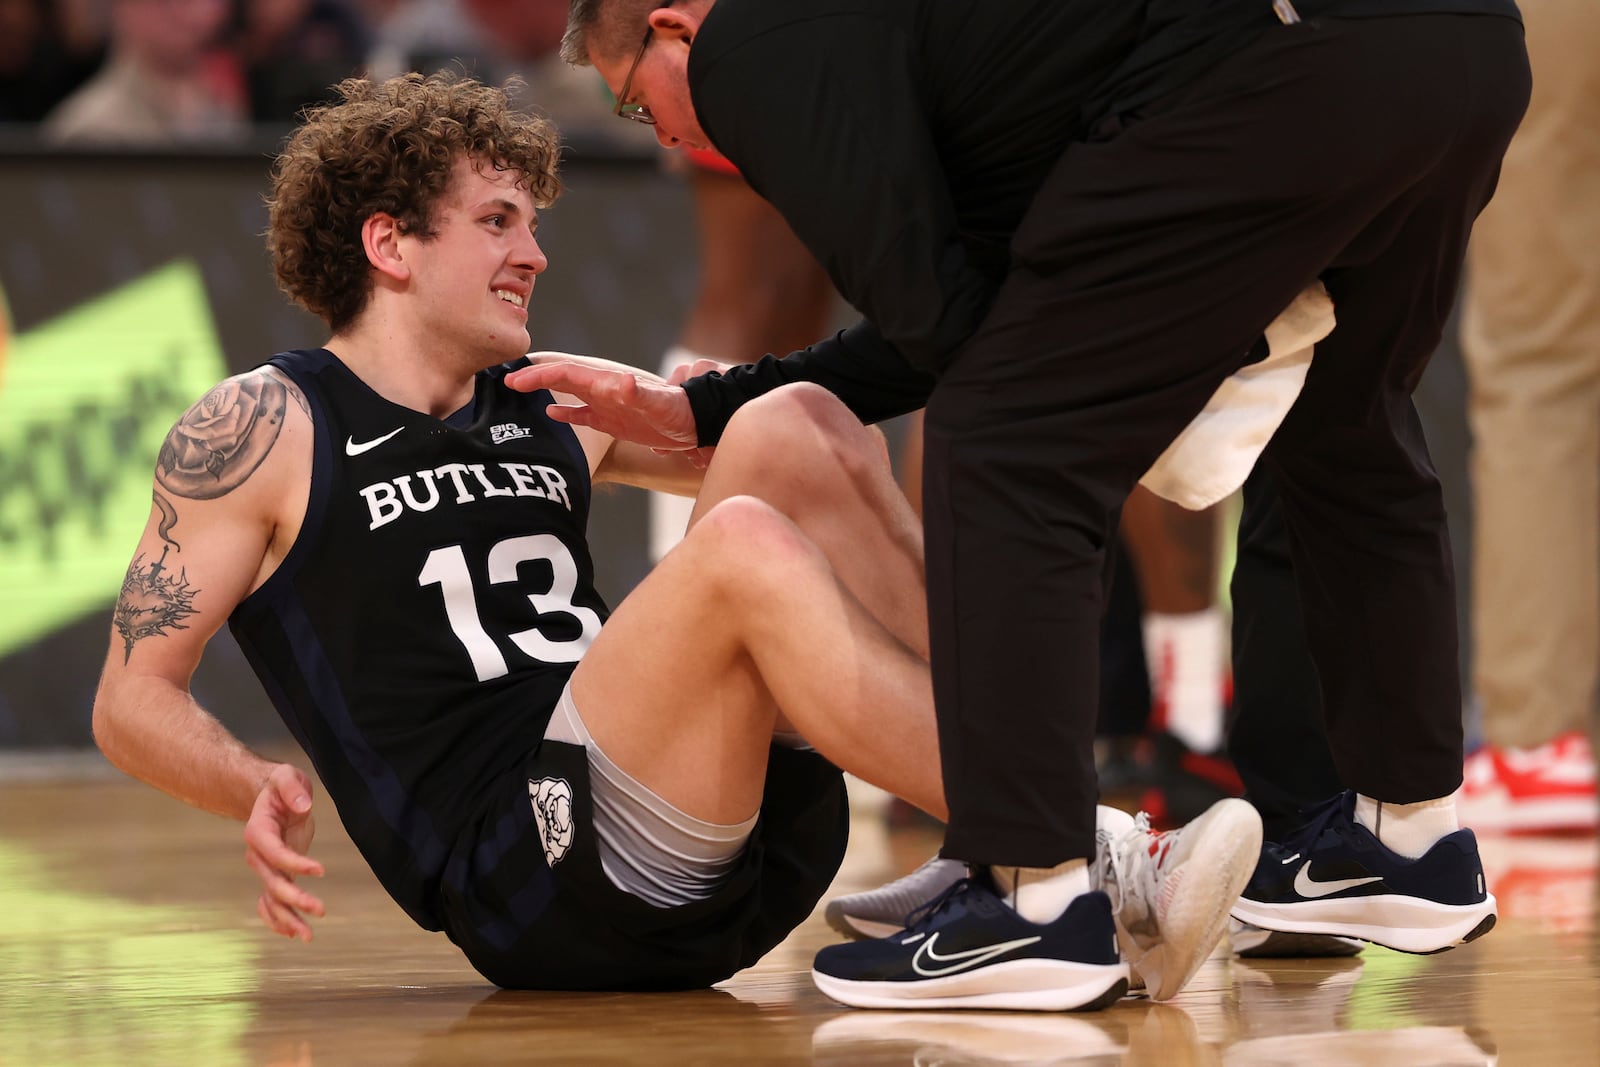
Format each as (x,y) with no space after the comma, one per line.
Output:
(552,810)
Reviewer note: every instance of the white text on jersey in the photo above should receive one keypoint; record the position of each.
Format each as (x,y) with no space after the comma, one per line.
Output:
(502,432)
(387,501)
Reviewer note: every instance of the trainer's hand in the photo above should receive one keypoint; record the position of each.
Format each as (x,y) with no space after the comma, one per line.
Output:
(699,458)
(630,405)
(277,837)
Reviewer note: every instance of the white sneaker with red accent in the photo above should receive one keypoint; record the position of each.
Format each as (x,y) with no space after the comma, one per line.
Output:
(1531,790)
(1171,891)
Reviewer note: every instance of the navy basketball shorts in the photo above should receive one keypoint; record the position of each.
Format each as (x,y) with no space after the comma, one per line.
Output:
(526,900)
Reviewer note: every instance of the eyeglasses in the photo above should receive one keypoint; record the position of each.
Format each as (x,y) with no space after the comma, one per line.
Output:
(637,112)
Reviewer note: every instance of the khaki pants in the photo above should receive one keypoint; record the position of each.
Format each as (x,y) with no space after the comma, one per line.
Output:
(1531,339)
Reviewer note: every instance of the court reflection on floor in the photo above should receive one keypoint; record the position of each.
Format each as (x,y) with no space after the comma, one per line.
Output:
(128,935)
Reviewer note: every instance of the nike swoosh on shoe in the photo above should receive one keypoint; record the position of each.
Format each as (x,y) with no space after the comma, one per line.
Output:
(961,961)
(1308,886)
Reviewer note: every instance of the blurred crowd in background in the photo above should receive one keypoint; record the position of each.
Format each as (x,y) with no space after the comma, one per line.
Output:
(194,72)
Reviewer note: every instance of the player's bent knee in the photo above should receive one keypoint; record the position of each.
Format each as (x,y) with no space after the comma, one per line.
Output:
(800,405)
(745,530)
(736,519)
(802,421)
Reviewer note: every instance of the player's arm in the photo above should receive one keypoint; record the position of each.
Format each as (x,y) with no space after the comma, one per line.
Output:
(672,472)
(227,472)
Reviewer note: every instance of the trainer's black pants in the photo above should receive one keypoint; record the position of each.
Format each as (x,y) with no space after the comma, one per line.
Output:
(1276,739)
(1357,151)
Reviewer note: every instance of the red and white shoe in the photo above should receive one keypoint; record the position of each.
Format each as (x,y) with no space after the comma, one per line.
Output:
(1531,790)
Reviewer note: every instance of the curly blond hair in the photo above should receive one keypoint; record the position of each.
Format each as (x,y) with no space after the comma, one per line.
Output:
(388,147)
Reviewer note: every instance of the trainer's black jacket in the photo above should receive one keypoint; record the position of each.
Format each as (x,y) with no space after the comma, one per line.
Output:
(903,140)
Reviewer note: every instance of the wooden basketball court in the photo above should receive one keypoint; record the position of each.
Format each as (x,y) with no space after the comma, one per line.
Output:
(128,936)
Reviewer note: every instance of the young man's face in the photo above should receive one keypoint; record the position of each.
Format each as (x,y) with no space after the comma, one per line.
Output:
(474,277)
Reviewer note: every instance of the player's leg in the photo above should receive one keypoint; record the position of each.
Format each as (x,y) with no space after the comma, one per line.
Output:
(810,602)
(801,451)
(683,687)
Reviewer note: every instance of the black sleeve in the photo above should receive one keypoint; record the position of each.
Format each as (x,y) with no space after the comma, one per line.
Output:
(824,116)
(856,364)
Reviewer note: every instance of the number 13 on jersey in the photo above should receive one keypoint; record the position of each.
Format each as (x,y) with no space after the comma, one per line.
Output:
(447,568)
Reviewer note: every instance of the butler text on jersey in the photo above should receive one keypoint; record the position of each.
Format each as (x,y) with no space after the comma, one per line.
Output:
(388,500)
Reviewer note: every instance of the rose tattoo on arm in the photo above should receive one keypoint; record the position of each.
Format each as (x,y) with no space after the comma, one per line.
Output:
(223,438)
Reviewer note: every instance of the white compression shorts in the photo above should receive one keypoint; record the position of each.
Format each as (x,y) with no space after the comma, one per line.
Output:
(648,847)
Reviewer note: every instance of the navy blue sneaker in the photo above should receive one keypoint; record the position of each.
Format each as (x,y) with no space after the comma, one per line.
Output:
(967,949)
(1334,877)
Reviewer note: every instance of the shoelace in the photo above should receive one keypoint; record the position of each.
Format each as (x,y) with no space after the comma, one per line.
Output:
(1112,846)
(924,913)
(1318,816)
(1110,882)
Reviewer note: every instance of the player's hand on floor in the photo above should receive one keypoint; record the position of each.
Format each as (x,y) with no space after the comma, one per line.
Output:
(277,837)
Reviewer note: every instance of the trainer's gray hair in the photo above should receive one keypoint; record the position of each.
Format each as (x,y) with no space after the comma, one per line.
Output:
(607,28)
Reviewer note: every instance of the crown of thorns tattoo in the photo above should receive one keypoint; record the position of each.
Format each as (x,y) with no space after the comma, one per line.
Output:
(153,602)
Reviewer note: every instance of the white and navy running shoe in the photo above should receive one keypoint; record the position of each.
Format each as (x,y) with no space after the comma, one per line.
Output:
(1334,877)
(968,949)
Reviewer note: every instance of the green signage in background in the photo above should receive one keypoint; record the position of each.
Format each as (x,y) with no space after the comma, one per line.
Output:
(85,402)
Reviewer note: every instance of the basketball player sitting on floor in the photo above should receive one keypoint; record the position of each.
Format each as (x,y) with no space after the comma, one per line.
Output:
(647,801)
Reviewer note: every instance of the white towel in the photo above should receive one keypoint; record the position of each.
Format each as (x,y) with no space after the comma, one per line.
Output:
(1214,453)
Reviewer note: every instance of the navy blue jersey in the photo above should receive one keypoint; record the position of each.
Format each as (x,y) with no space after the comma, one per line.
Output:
(417,635)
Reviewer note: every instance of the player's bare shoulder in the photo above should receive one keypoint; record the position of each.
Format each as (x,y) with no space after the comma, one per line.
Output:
(223,503)
(242,455)
(228,434)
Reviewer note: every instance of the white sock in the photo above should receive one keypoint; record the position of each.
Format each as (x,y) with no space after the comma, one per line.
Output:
(1409,829)
(1184,653)
(669,514)
(1041,894)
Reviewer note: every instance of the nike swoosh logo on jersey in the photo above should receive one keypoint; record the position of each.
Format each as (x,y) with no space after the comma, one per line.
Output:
(1307,886)
(961,961)
(353,449)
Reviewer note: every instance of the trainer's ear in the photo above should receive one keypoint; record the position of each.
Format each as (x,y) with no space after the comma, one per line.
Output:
(678,23)
(380,237)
